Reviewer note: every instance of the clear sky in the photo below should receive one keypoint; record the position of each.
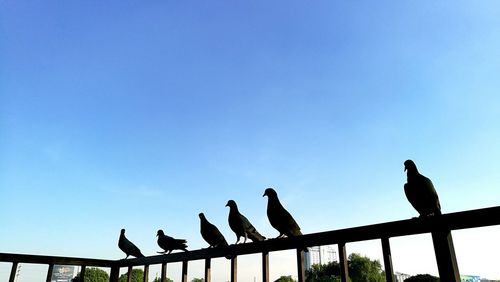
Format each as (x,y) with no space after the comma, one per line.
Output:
(140,115)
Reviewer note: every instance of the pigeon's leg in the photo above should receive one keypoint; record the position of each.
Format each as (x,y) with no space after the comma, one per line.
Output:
(237,239)
(280,236)
(246,237)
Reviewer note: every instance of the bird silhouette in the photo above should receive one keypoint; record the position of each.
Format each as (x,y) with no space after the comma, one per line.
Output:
(241,226)
(420,191)
(128,247)
(211,233)
(169,243)
(279,217)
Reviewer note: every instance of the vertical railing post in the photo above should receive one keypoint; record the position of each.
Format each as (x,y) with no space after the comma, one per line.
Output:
(13,272)
(146,273)
(115,273)
(164,272)
(445,255)
(49,272)
(184,271)
(234,269)
(386,250)
(82,273)
(265,266)
(129,274)
(344,272)
(301,273)
(208,270)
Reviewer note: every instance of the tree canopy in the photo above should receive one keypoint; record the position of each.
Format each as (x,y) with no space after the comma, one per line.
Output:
(361,269)
(157,279)
(422,278)
(285,279)
(137,276)
(93,274)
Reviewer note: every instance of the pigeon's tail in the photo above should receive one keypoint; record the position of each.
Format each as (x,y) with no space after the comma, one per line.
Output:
(255,236)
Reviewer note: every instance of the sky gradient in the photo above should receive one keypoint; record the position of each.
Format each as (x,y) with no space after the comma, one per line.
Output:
(122,114)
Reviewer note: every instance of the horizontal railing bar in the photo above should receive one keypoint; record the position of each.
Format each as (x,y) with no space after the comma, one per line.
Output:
(452,221)
(40,259)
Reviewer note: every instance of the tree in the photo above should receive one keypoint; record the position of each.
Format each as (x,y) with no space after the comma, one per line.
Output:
(137,276)
(159,280)
(363,269)
(93,274)
(329,272)
(285,279)
(198,280)
(422,278)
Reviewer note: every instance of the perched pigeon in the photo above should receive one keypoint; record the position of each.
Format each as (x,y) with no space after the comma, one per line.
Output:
(210,233)
(240,224)
(169,244)
(420,191)
(280,218)
(128,247)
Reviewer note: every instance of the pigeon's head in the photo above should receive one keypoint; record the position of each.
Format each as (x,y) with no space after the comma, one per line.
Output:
(231,204)
(122,232)
(270,193)
(410,166)
(201,215)
(160,233)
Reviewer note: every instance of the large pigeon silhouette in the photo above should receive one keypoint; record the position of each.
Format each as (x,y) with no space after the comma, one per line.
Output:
(420,191)
(240,224)
(169,243)
(211,233)
(279,217)
(128,247)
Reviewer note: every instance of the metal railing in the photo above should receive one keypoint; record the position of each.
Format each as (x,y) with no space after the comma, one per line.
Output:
(440,228)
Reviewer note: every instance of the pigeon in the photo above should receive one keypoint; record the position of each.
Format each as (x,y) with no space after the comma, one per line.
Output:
(420,191)
(280,218)
(211,234)
(169,244)
(128,247)
(240,224)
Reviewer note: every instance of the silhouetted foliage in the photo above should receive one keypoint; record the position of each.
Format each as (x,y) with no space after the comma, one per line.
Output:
(422,278)
(198,280)
(323,272)
(361,269)
(137,276)
(93,274)
(285,279)
(159,280)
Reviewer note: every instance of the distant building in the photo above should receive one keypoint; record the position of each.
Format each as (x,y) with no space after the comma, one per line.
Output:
(320,255)
(400,277)
(470,278)
(63,273)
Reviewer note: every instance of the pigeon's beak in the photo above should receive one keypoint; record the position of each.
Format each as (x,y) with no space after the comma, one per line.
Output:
(264,195)
(405,168)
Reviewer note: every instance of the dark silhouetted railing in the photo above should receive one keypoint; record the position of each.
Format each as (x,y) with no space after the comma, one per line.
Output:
(440,228)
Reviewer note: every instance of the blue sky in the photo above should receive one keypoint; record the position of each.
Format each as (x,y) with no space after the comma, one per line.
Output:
(141,115)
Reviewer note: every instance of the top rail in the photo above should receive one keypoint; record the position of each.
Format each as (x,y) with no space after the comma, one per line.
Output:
(451,221)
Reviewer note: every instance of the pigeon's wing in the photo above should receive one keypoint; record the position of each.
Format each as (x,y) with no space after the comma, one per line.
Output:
(292,228)
(431,200)
(250,230)
(165,242)
(412,196)
(281,219)
(129,248)
(212,235)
